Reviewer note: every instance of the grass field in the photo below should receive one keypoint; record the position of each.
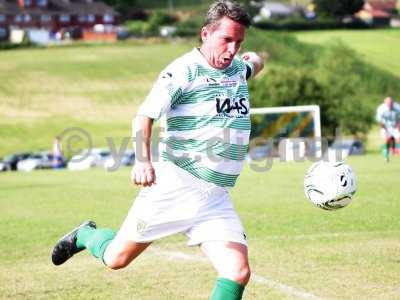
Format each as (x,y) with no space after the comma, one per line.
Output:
(99,87)
(378,47)
(297,251)
(96,87)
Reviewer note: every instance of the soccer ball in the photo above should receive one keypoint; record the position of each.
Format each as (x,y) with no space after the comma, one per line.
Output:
(330,185)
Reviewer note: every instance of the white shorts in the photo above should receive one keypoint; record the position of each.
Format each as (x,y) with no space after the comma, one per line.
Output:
(182,203)
(390,132)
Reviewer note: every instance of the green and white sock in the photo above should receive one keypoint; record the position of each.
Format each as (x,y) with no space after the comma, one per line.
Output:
(95,240)
(226,289)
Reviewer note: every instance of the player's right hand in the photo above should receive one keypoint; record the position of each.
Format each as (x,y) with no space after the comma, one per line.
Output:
(143,174)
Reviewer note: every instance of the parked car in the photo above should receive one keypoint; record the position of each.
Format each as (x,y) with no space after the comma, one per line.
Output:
(3,34)
(344,147)
(2,166)
(41,160)
(127,159)
(10,162)
(259,153)
(88,158)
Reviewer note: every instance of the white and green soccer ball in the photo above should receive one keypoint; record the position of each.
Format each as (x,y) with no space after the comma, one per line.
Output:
(330,185)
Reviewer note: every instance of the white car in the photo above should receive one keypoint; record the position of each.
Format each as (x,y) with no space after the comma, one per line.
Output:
(88,158)
(42,160)
(126,159)
(2,166)
(259,153)
(340,149)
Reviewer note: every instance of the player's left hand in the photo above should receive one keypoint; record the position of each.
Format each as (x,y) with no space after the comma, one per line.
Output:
(143,174)
(255,59)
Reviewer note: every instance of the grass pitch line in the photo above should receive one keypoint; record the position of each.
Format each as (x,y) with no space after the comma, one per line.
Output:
(288,290)
(328,235)
(285,289)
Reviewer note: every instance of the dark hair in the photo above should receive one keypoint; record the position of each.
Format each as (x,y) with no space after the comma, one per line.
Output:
(226,8)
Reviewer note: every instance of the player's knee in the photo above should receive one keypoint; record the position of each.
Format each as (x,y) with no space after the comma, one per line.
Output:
(119,262)
(242,276)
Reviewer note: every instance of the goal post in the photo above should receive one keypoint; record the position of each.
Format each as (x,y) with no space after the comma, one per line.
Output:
(287,125)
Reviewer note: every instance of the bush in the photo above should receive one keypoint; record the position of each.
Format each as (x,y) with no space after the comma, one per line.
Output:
(285,87)
(298,23)
(135,28)
(282,48)
(156,20)
(334,82)
(151,27)
(190,27)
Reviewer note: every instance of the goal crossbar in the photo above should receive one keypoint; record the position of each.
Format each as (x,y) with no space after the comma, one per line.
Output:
(288,109)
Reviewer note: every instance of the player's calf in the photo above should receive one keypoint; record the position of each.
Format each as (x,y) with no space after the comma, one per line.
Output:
(119,254)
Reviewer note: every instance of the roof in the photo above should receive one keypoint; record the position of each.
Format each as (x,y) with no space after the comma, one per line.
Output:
(379,14)
(372,14)
(385,5)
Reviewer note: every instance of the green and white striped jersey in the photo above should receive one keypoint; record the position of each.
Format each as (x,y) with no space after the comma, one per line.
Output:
(207,116)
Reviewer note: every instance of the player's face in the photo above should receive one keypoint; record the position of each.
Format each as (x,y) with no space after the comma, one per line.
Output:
(389,102)
(222,42)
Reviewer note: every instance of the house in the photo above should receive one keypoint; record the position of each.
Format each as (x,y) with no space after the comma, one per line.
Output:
(55,15)
(378,12)
(388,6)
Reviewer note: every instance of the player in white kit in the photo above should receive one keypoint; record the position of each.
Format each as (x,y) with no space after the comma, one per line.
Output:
(204,101)
(388,116)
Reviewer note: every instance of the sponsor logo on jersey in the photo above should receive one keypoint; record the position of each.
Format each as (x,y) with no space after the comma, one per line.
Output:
(212,82)
(232,107)
(229,83)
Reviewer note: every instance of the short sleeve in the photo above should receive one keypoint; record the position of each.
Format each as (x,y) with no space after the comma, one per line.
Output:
(396,106)
(166,92)
(249,69)
(378,116)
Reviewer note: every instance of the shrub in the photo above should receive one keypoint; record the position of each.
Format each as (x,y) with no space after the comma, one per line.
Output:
(190,27)
(298,23)
(135,28)
(334,83)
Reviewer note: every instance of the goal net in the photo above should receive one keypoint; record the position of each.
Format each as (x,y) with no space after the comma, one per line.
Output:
(290,132)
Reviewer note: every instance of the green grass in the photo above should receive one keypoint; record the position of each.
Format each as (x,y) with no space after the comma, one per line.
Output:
(96,87)
(348,254)
(99,87)
(380,48)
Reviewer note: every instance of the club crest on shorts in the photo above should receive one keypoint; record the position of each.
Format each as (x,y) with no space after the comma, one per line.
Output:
(140,226)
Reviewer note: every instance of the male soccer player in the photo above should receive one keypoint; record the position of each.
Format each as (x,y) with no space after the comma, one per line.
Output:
(204,99)
(388,116)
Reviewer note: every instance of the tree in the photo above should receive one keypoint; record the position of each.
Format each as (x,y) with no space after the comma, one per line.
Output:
(335,83)
(122,6)
(338,8)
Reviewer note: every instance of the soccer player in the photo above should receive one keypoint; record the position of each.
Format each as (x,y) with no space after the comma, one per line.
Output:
(203,98)
(388,116)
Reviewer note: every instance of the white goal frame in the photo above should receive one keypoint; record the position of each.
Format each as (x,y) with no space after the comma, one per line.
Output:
(314,109)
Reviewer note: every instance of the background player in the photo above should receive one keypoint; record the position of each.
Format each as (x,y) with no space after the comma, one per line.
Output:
(388,116)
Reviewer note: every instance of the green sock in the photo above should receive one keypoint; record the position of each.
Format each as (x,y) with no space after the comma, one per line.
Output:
(95,240)
(386,150)
(226,289)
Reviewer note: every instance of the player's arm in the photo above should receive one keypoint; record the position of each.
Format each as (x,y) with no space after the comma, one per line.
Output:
(379,118)
(143,172)
(256,61)
(167,89)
